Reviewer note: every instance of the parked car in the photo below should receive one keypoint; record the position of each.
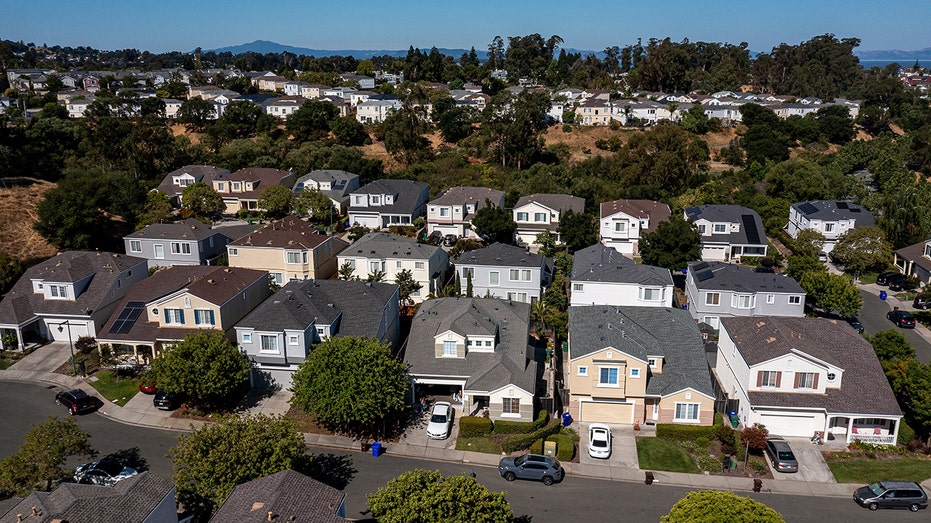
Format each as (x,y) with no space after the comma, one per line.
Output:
(855,323)
(884,277)
(892,494)
(76,401)
(450,240)
(531,466)
(902,283)
(106,473)
(435,238)
(147,385)
(822,256)
(781,455)
(441,421)
(921,302)
(165,400)
(902,319)
(599,441)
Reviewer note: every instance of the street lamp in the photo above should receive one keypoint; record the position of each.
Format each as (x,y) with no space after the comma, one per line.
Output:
(74,369)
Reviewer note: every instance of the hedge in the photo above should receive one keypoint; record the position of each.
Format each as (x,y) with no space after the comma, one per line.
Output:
(474,426)
(565,448)
(524,441)
(906,433)
(674,432)
(521,427)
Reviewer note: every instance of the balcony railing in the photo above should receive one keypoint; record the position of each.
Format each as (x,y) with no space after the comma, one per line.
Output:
(879,439)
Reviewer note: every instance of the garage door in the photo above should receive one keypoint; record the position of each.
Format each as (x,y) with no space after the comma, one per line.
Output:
(604,412)
(714,254)
(792,426)
(78,330)
(271,378)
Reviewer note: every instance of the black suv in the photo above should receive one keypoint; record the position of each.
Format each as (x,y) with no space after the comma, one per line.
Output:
(165,400)
(531,466)
(902,283)
(921,303)
(892,494)
(902,319)
(76,401)
(884,277)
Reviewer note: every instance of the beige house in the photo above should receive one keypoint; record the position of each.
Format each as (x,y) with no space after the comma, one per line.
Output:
(242,189)
(289,249)
(636,365)
(536,213)
(389,255)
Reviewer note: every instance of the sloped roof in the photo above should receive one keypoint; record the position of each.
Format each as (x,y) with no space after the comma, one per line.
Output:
(501,255)
(834,210)
(289,232)
(407,196)
(656,212)
(287,495)
(729,277)
(604,264)
(751,226)
(201,173)
(915,253)
(466,195)
(556,202)
(390,246)
(189,229)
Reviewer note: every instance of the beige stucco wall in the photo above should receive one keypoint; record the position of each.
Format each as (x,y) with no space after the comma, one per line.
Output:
(667,406)
(588,385)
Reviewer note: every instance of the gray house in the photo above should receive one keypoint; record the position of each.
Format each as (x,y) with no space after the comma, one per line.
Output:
(191,242)
(504,271)
(387,202)
(334,183)
(176,181)
(721,290)
(278,334)
(829,217)
(728,232)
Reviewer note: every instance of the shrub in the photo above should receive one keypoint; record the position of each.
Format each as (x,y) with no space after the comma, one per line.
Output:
(675,432)
(565,447)
(741,450)
(537,447)
(906,433)
(524,441)
(726,435)
(521,427)
(702,442)
(759,466)
(709,463)
(474,426)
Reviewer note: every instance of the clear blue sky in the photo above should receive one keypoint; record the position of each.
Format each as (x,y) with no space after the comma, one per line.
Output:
(167,25)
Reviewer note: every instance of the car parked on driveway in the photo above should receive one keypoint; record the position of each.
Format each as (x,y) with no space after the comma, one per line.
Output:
(599,441)
(531,466)
(892,494)
(855,323)
(106,473)
(921,302)
(780,455)
(884,277)
(902,319)
(902,283)
(76,401)
(165,400)
(441,420)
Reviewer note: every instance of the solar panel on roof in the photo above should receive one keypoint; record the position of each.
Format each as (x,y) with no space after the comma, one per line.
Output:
(127,317)
(704,275)
(807,208)
(842,205)
(753,235)
(700,266)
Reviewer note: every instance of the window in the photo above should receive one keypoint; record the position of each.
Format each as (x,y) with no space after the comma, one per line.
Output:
(159,251)
(634,373)
(277,277)
(928,250)
(376,266)
(376,200)
(714,321)
(468,272)
(234,251)
(351,264)
(247,337)
(701,228)
(583,370)
(651,362)
(449,348)
(510,406)
(174,316)
(713,298)
(539,216)
(742,301)
(418,265)
(203,317)
(832,376)
(58,291)
(577,287)
(523,217)
(795,300)
(296,257)
(221,186)
(292,340)
(180,248)
(520,274)
(135,246)
(829,227)
(651,294)
(770,298)
(769,378)
(720,227)
(236,186)
(494,278)
(620,227)
(518,296)
(397,264)
(269,343)
(805,380)
(608,377)
(444,212)
(686,412)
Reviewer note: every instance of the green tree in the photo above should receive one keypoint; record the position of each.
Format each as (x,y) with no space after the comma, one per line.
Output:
(316,205)
(241,118)
(403,132)
(213,459)
(809,243)
(157,209)
(577,230)
(673,244)
(891,345)
(426,496)
(547,242)
(204,367)
(69,217)
(202,200)
(347,271)
(10,271)
(276,201)
(349,132)
(494,224)
(407,286)
(797,266)
(712,506)
(832,292)
(352,384)
(835,124)
(863,249)
(311,121)
(195,113)
(41,459)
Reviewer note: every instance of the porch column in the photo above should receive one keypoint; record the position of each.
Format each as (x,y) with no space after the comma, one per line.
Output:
(895,433)
(19,339)
(849,428)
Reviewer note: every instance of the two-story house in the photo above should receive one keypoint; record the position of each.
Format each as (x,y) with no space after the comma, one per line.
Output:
(624,222)
(279,334)
(452,212)
(243,188)
(388,255)
(386,202)
(68,296)
(173,183)
(334,183)
(536,213)
(915,260)
(177,301)
(284,106)
(479,347)
(375,111)
(802,376)
(718,290)
(829,217)
(728,232)
(636,365)
(190,242)
(289,249)
(504,271)
(602,276)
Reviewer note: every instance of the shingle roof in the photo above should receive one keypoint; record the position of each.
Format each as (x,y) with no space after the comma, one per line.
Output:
(656,212)
(751,226)
(287,495)
(189,229)
(728,277)
(390,246)
(833,210)
(289,232)
(511,363)
(915,253)
(465,195)
(556,202)
(338,179)
(864,389)
(642,332)
(501,254)
(406,196)
(201,173)
(261,178)
(604,264)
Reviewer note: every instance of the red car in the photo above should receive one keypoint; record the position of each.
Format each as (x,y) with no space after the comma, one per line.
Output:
(147,386)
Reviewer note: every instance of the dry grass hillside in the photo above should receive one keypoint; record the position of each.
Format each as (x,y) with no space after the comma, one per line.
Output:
(17,238)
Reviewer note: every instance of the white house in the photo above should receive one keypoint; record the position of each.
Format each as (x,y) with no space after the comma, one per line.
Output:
(829,217)
(602,276)
(624,222)
(728,232)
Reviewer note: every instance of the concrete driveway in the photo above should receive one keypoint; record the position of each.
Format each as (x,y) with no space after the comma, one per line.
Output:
(811,465)
(416,434)
(623,447)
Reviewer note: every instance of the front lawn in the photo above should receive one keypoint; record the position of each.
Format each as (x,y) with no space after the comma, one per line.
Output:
(119,391)
(659,454)
(479,444)
(864,470)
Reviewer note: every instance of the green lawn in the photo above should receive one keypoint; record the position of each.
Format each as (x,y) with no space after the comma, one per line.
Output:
(117,391)
(870,470)
(658,454)
(486,445)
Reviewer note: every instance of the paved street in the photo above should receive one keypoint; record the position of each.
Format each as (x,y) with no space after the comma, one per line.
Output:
(873,317)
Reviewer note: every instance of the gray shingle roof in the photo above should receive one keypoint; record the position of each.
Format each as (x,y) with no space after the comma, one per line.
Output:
(718,276)
(288,495)
(556,202)
(864,389)
(604,264)
(749,220)
(511,363)
(833,210)
(201,173)
(641,332)
(406,196)
(390,246)
(501,254)
(189,229)
(465,195)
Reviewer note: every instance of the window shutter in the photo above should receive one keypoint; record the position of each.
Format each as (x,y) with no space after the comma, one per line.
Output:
(181,315)
(797,376)
(778,379)
(211,317)
(814,383)
(759,378)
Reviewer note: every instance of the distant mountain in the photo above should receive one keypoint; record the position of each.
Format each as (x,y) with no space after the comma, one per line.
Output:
(264,46)
(895,54)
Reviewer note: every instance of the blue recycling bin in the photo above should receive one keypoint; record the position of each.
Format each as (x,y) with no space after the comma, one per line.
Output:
(566,419)
(376,449)
(882,295)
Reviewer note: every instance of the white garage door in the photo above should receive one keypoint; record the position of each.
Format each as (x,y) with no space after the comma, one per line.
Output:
(714,253)
(603,412)
(792,426)
(78,329)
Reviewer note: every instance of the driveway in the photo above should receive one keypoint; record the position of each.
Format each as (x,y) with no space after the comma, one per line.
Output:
(416,434)
(811,465)
(623,447)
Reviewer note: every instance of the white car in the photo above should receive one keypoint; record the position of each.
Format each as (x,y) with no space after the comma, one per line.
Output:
(599,441)
(441,420)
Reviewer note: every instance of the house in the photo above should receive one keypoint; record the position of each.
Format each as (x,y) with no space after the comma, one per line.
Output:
(270,82)
(375,111)
(174,183)
(602,276)
(386,202)
(388,254)
(624,222)
(365,82)
(541,212)
(179,300)
(718,290)
(289,249)
(242,189)
(915,260)
(504,271)
(342,93)
(279,334)
(829,217)
(452,212)
(68,296)
(294,88)
(478,346)
(143,498)
(728,232)
(313,90)
(636,365)
(283,496)
(284,106)
(802,376)
(334,183)
(190,242)
(77,107)
(593,112)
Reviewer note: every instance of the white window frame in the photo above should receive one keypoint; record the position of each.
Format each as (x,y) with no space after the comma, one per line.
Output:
(539,217)
(691,412)
(523,217)
(720,228)
(634,372)
(768,379)
(522,275)
(494,278)
(174,316)
(736,300)
(203,317)
(292,339)
(262,347)
(770,298)
(582,370)
(159,251)
(713,302)
(578,287)
(180,248)
(806,380)
(234,251)
(660,292)
(135,246)
(795,300)
(602,375)
(620,226)
(510,407)
(449,349)
(418,265)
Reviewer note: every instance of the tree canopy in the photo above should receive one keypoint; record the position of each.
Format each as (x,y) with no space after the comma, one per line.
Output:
(863,249)
(494,224)
(425,496)
(712,506)
(672,244)
(40,461)
(204,367)
(832,292)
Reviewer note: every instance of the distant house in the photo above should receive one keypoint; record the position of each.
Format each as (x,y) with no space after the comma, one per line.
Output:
(279,334)
(624,222)
(504,271)
(720,290)
(190,242)
(270,82)
(365,82)
(334,183)
(728,232)
(375,111)
(602,276)
(915,260)
(452,212)
(541,212)
(831,218)
(242,189)
(388,254)
(386,202)
(284,106)
(174,183)
(283,496)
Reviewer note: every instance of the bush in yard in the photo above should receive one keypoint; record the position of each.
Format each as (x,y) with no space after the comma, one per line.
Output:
(710,506)
(755,436)
(906,433)
(524,441)
(474,426)
(726,435)
(565,448)
(521,427)
(426,496)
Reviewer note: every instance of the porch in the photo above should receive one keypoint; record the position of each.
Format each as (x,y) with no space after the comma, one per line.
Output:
(878,431)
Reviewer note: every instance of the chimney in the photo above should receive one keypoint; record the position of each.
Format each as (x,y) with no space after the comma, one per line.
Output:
(271,516)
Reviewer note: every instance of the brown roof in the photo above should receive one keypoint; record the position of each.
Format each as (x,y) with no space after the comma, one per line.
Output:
(261,177)
(286,496)
(915,253)
(655,211)
(288,232)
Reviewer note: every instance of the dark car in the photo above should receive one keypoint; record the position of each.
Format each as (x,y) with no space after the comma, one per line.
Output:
(780,455)
(892,494)
(105,472)
(902,283)
(884,277)
(531,466)
(76,401)
(764,269)
(855,323)
(921,302)
(903,319)
(435,238)
(450,240)
(165,400)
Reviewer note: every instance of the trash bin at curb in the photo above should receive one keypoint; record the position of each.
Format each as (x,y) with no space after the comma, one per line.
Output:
(649,478)
(566,419)
(376,449)
(757,485)
(882,295)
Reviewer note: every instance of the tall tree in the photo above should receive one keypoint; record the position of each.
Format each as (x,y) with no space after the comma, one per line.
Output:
(195,113)
(204,367)
(407,286)
(276,201)
(41,459)
(202,200)
(863,249)
(311,121)
(494,224)
(673,244)
(832,292)
(317,206)
(425,496)
(578,230)
(403,132)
